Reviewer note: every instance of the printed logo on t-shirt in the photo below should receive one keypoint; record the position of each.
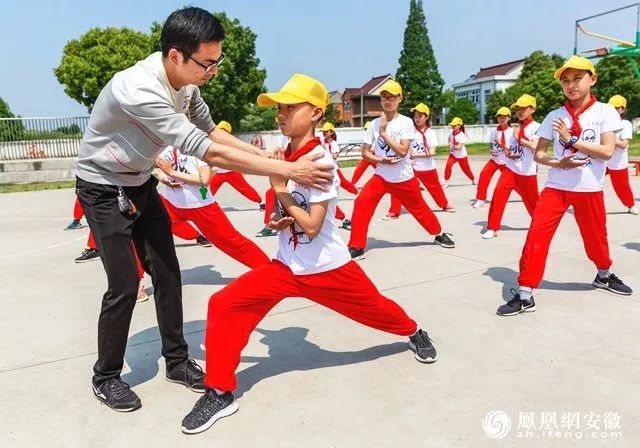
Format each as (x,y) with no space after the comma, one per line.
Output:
(384,146)
(516,149)
(496,149)
(297,235)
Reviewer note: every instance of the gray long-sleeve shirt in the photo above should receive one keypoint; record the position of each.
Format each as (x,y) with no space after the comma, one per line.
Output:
(134,119)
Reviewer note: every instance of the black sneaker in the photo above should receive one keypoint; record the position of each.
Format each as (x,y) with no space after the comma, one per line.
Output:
(207,410)
(444,241)
(266,232)
(189,374)
(516,306)
(424,350)
(262,206)
(202,241)
(356,254)
(346,224)
(117,394)
(88,255)
(613,284)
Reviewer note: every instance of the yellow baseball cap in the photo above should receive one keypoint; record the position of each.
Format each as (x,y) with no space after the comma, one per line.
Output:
(577,62)
(422,108)
(504,111)
(367,125)
(618,101)
(457,121)
(392,87)
(298,89)
(525,101)
(225,125)
(327,127)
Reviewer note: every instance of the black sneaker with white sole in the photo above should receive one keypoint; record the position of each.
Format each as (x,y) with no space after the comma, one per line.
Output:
(356,254)
(421,345)
(202,241)
(445,241)
(207,410)
(118,395)
(88,255)
(188,373)
(613,284)
(516,306)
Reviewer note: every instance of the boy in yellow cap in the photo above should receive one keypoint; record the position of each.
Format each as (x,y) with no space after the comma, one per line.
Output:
(521,171)
(498,149)
(618,165)
(233,178)
(457,151)
(387,143)
(583,136)
(312,262)
(363,164)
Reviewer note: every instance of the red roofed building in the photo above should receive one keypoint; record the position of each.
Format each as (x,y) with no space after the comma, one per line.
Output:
(361,104)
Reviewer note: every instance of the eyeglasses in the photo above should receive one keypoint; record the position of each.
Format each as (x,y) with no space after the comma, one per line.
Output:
(206,68)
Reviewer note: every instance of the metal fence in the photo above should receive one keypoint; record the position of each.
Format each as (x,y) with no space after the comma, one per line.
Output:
(40,138)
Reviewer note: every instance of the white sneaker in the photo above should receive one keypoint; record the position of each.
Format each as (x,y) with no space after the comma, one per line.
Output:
(142,294)
(634,210)
(489,234)
(449,209)
(479,203)
(445,185)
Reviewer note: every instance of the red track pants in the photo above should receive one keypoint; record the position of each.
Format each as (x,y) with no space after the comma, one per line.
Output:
(237,181)
(622,187)
(525,186)
(485,178)
(431,181)
(464,164)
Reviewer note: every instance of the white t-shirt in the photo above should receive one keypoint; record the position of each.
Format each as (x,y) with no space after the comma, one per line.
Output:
(595,121)
(524,165)
(620,159)
(188,196)
(400,128)
(222,170)
(495,151)
(461,153)
(417,147)
(332,147)
(325,252)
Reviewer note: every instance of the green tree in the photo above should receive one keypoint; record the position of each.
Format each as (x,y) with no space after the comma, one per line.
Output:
(5,111)
(258,119)
(616,77)
(535,62)
(464,109)
(418,71)
(89,62)
(10,130)
(331,115)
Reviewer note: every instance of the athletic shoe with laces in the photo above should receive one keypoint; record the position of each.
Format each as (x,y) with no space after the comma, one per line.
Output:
(74,225)
(390,216)
(488,234)
(142,294)
(445,241)
(516,305)
(189,374)
(88,255)
(262,206)
(266,232)
(346,224)
(208,409)
(421,345)
(356,254)
(479,203)
(202,241)
(118,395)
(634,210)
(449,209)
(613,284)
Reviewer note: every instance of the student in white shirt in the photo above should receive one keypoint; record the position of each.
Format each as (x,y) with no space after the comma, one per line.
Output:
(498,149)
(618,165)
(582,133)
(458,151)
(387,142)
(521,170)
(312,262)
(423,150)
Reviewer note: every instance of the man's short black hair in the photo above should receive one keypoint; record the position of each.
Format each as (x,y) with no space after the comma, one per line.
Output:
(186,28)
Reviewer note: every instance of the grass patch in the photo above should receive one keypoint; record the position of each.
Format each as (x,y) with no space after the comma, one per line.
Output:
(37,186)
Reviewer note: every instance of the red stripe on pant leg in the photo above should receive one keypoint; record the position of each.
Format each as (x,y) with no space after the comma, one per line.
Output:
(485,179)
(216,181)
(466,169)
(622,187)
(363,208)
(217,228)
(270,202)
(591,218)
(447,169)
(233,314)
(77,210)
(411,198)
(547,216)
(347,290)
(237,181)
(344,183)
(431,181)
(179,226)
(396,206)
(340,214)
(527,188)
(506,184)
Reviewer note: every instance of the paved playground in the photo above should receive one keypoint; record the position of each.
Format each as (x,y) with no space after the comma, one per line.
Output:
(311,378)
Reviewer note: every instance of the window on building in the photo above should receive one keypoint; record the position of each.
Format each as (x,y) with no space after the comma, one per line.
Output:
(346,106)
(487,94)
(474,96)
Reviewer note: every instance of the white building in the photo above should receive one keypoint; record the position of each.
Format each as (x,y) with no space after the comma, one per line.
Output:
(479,87)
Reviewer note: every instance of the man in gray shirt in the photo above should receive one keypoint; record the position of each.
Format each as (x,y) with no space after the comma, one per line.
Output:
(141,111)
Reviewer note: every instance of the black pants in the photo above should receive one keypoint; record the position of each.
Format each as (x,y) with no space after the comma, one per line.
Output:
(150,231)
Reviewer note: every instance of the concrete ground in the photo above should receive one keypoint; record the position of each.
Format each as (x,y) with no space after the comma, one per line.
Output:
(312,378)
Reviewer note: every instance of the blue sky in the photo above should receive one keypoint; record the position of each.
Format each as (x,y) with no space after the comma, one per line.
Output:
(341,42)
